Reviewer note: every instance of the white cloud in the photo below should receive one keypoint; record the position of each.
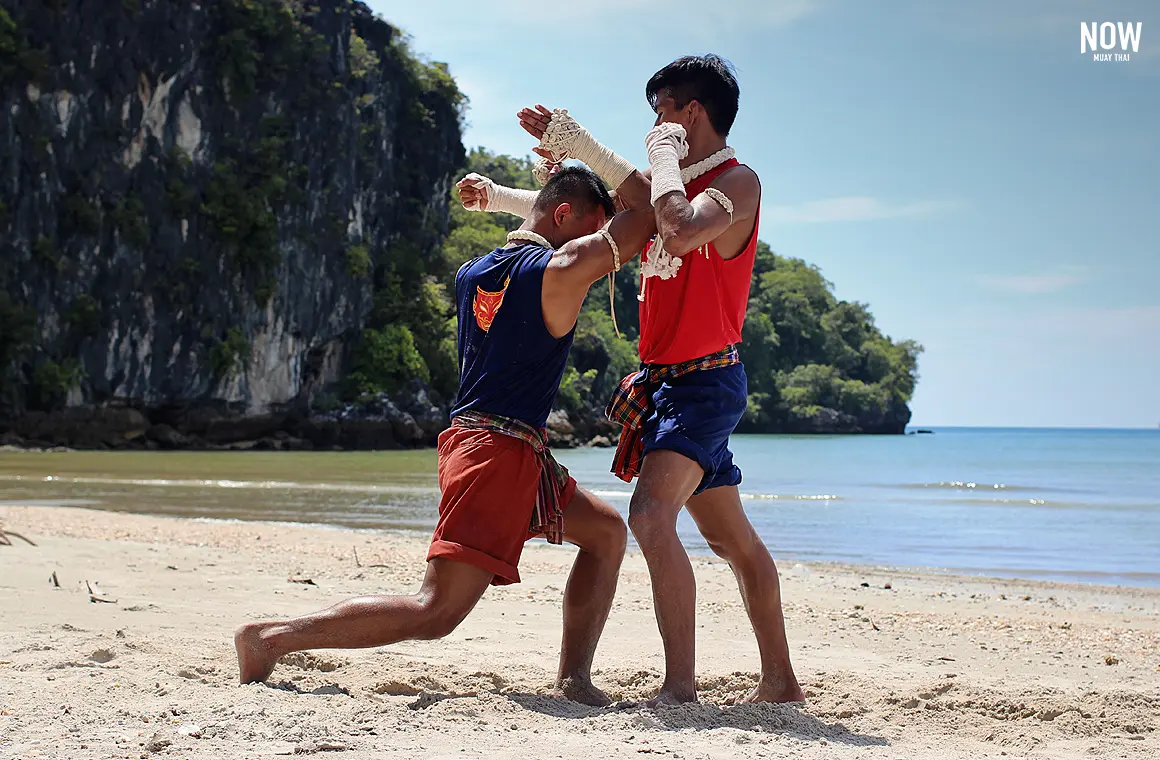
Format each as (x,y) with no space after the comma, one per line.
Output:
(853,209)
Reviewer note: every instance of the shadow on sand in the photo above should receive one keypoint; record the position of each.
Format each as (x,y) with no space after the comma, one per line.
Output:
(764,718)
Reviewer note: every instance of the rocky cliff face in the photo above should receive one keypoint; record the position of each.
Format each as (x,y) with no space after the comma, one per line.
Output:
(198,201)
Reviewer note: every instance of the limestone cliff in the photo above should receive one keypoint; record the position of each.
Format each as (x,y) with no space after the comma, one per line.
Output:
(199,200)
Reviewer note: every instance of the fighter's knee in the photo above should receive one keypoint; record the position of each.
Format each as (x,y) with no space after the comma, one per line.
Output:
(723,549)
(648,521)
(614,535)
(438,619)
(744,547)
(606,538)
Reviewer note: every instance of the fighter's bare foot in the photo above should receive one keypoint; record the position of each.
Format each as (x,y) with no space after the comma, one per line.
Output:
(672,698)
(255,660)
(770,690)
(581,690)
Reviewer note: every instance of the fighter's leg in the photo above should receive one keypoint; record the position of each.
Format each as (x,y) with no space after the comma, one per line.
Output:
(449,592)
(722,521)
(667,480)
(599,531)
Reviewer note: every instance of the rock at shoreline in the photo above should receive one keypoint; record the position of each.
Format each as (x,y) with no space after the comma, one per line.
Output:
(167,437)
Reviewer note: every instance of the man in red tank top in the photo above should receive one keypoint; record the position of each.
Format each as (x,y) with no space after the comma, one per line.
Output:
(680,410)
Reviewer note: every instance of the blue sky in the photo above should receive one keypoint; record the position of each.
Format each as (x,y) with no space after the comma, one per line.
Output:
(986,188)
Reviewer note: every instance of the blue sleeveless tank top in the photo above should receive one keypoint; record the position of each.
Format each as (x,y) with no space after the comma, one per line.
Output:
(509,364)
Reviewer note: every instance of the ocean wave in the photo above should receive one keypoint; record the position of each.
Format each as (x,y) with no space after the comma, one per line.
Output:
(280,485)
(791,497)
(968,485)
(619,494)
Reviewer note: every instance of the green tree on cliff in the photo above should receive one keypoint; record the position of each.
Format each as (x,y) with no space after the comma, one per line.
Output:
(815,362)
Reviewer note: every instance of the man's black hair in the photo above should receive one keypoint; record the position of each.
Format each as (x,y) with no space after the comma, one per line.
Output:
(708,79)
(579,186)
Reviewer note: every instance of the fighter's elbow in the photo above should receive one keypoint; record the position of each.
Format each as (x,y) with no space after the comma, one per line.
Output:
(676,239)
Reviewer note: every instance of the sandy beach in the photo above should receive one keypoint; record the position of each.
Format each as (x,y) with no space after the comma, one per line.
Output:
(895,663)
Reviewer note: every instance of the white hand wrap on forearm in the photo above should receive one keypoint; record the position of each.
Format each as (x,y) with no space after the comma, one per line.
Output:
(666,147)
(565,138)
(500,199)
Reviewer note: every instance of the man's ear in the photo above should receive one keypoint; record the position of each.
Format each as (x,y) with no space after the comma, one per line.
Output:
(695,111)
(563,211)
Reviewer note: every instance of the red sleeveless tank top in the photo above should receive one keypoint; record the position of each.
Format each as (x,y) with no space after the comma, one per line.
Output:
(701,309)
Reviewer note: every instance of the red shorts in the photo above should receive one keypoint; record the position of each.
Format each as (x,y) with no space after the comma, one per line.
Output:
(489,483)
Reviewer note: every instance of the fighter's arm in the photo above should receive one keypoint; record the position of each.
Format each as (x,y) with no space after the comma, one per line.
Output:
(728,206)
(583,261)
(557,131)
(479,193)
(631,189)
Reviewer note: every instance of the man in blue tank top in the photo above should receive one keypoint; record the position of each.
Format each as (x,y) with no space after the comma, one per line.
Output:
(500,486)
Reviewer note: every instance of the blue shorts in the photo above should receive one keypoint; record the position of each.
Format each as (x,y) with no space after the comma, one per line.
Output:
(694,415)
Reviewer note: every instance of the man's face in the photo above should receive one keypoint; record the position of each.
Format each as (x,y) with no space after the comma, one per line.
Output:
(667,112)
(573,225)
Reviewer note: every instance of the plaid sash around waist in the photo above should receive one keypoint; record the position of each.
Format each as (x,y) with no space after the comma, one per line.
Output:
(632,404)
(548,515)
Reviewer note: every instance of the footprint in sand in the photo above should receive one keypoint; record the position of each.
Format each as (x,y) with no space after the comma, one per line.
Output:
(308,661)
(396,689)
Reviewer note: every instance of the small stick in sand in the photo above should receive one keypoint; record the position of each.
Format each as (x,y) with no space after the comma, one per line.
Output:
(359,564)
(6,541)
(53,580)
(304,581)
(96,595)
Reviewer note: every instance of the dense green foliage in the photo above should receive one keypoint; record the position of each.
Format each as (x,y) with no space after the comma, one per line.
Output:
(229,354)
(52,382)
(388,361)
(805,352)
(262,43)
(17,331)
(129,217)
(84,315)
(18,60)
(358,261)
(363,60)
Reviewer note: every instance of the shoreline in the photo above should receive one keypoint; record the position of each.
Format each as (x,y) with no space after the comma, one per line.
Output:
(935,666)
(1047,578)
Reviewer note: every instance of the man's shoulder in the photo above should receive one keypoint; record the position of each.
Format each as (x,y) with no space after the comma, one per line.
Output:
(483,261)
(507,262)
(740,174)
(740,184)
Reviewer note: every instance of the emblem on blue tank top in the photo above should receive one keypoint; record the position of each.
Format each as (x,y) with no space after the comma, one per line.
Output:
(486,305)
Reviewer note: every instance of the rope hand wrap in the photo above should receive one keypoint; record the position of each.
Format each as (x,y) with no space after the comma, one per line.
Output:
(542,171)
(565,138)
(722,199)
(528,236)
(659,262)
(500,199)
(666,146)
(603,231)
(690,173)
